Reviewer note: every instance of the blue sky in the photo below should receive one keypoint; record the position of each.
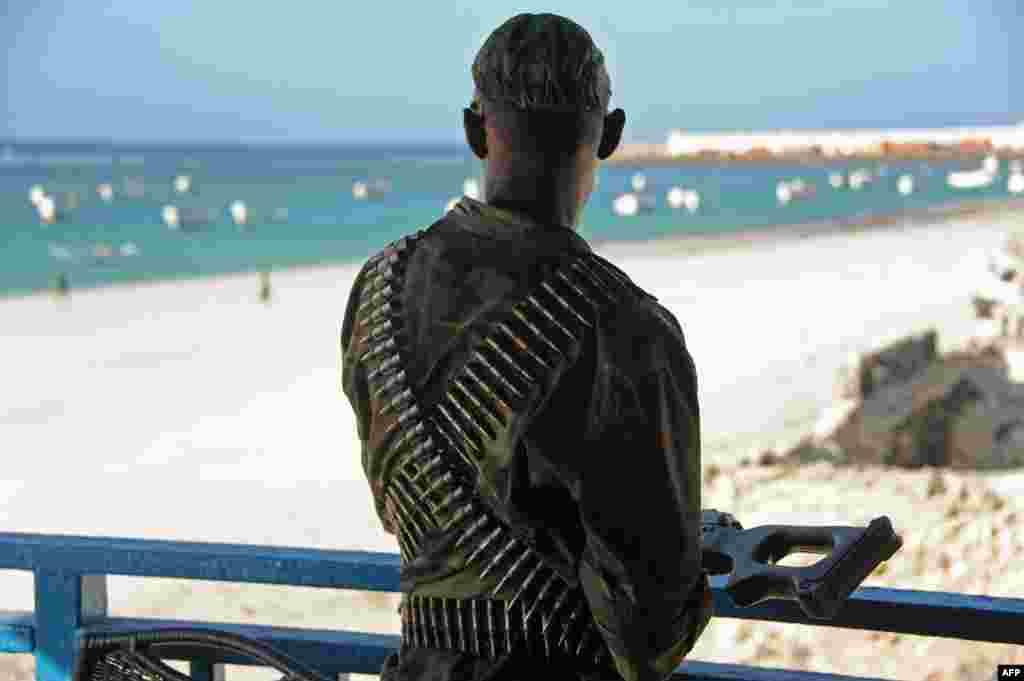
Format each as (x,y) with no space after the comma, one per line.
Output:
(356,70)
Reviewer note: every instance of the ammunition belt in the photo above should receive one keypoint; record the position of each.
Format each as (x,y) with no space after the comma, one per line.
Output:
(490,628)
(430,488)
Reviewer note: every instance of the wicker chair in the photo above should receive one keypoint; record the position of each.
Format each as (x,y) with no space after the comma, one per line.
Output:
(136,656)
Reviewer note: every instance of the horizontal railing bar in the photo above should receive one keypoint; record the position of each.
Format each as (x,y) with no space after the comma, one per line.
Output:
(923,613)
(17,631)
(359,570)
(900,611)
(334,652)
(694,670)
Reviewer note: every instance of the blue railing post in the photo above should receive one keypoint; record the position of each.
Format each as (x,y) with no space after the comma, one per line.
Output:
(65,600)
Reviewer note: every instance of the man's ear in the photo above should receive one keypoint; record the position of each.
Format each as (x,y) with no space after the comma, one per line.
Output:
(612,133)
(476,133)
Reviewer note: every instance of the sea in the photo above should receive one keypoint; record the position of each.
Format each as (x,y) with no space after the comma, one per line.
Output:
(114,205)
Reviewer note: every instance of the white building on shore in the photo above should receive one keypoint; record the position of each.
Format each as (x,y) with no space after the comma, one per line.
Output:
(842,142)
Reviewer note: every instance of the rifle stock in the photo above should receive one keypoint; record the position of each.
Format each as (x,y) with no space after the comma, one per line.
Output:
(750,559)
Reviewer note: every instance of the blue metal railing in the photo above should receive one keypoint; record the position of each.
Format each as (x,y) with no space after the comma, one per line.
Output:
(71,597)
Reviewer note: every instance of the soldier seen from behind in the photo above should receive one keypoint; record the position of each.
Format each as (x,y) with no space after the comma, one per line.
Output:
(528,416)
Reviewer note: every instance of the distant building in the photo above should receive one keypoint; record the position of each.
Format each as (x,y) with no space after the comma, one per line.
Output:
(846,142)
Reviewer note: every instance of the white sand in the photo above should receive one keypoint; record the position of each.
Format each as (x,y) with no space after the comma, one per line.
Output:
(188,410)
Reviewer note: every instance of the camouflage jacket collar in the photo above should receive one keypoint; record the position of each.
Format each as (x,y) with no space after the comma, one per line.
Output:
(494,222)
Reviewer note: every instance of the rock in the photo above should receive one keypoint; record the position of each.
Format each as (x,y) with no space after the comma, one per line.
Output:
(809,451)
(936,485)
(711,473)
(1014,246)
(991,501)
(801,653)
(894,363)
(953,528)
(988,437)
(904,405)
(767,458)
(743,632)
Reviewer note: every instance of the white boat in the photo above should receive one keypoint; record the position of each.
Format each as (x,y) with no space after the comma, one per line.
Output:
(362,191)
(859,178)
(182,183)
(905,185)
(239,213)
(1015,184)
(171,217)
(471,188)
(783,193)
(837,180)
(990,165)
(105,191)
(626,205)
(1016,167)
(787,190)
(47,209)
(970,179)
(677,197)
(36,194)
(691,199)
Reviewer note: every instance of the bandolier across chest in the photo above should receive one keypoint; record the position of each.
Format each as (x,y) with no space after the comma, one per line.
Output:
(430,485)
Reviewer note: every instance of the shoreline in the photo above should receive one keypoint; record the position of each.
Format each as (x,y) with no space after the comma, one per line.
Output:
(699,243)
(691,243)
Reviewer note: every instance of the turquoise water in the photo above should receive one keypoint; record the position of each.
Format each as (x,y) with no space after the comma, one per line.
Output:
(302,210)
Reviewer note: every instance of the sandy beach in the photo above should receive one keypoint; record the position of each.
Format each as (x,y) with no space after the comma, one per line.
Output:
(190,410)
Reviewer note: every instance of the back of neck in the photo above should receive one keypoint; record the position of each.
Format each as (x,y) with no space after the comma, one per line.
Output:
(546,195)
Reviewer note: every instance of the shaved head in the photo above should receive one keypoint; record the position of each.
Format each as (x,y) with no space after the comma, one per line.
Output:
(539,117)
(542,62)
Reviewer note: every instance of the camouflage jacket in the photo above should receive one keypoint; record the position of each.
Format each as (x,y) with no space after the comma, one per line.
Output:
(601,478)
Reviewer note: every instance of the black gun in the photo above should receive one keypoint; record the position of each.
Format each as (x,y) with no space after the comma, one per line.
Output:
(749,557)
